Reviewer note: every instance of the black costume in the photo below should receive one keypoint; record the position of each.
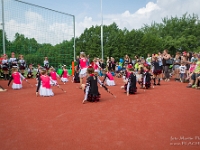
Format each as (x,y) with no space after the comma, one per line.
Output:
(22,64)
(91,90)
(76,78)
(13,62)
(156,68)
(146,80)
(30,73)
(130,87)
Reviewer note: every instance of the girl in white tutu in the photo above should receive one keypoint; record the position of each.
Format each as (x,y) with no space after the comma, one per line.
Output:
(17,79)
(44,86)
(108,78)
(53,75)
(64,75)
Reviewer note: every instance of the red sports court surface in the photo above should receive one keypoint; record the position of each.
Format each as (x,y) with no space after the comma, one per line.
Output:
(164,118)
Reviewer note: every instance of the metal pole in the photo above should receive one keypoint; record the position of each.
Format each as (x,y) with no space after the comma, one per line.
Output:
(74,40)
(101,31)
(3,29)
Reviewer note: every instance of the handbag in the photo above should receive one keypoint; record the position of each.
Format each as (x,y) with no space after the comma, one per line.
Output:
(169,61)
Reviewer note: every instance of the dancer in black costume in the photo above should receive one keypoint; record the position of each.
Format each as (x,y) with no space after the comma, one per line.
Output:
(91,88)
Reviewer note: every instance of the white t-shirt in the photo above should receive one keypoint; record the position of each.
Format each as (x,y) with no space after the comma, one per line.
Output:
(182,69)
(148,60)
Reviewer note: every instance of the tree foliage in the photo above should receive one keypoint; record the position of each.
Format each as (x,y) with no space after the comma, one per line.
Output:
(174,34)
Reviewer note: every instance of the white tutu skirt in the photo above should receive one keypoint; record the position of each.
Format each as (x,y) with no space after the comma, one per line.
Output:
(16,86)
(64,79)
(45,92)
(110,82)
(97,71)
(83,73)
(53,82)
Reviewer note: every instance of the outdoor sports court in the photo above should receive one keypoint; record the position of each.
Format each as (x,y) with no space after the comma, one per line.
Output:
(147,120)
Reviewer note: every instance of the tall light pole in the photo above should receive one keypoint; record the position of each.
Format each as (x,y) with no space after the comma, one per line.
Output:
(3,28)
(101,31)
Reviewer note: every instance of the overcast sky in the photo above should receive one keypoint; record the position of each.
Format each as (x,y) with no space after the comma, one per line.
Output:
(130,14)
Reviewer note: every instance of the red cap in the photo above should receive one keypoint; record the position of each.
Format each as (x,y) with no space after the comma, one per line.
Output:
(130,66)
(184,52)
(90,66)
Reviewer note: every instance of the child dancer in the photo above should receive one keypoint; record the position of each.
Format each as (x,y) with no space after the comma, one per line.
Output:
(83,66)
(13,60)
(157,70)
(146,83)
(44,86)
(16,77)
(96,66)
(139,76)
(30,71)
(76,78)
(2,89)
(38,71)
(22,64)
(91,88)
(130,81)
(64,75)
(46,63)
(109,78)
(53,76)
(5,67)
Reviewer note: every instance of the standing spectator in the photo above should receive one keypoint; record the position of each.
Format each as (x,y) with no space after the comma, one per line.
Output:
(177,63)
(166,64)
(127,60)
(108,63)
(103,66)
(88,60)
(113,64)
(148,60)
(186,61)
(194,57)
